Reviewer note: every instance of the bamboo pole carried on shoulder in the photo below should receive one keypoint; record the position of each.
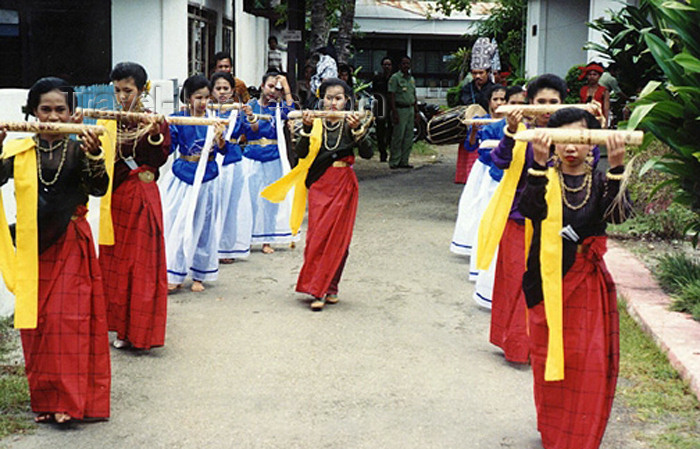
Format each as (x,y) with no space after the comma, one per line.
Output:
(51,128)
(581,136)
(539,109)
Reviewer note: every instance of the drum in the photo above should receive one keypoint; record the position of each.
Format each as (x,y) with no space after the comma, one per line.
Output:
(447,128)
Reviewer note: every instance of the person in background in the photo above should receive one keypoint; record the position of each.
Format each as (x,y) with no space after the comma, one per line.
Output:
(345,74)
(380,89)
(402,98)
(474,92)
(303,89)
(222,63)
(593,91)
(274,56)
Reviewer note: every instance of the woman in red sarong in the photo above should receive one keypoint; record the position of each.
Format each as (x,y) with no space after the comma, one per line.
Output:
(333,194)
(67,354)
(573,412)
(134,268)
(592,90)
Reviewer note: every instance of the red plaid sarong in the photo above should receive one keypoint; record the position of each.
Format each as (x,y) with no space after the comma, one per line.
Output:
(134,269)
(332,208)
(67,355)
(508,306)
(465,161)
(573,413)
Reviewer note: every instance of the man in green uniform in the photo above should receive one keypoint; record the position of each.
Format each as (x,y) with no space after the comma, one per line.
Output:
(402,100)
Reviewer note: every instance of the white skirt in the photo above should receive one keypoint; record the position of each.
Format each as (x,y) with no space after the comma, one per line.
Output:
(204,263)
(236,213)
(483,290)
(270,220)
(486,191)
(467,216)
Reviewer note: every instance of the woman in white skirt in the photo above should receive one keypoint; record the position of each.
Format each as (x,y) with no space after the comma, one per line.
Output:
(467,216)
(265,161)
(190,198)
(489,182)
(235,223)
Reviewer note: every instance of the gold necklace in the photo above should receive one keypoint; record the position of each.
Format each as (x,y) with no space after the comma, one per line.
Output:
(50,148)
(587,183)
(325,135)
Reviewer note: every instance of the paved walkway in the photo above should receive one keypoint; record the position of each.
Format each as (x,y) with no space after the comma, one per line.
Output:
(677,334)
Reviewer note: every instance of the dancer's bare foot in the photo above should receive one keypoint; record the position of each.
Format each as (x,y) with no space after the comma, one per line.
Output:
(197,286)
(226,261)
(121,344)
(172,288)
(267,249)
(62,418)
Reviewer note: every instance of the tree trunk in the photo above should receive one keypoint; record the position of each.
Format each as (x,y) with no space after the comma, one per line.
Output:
(345,29)
(320,28)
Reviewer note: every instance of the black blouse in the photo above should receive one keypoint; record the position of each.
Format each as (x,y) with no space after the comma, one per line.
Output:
(329,152)
(78,178)
(589,220)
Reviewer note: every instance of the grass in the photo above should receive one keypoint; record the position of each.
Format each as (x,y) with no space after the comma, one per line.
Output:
(655,391)
(14,391)
(423,148)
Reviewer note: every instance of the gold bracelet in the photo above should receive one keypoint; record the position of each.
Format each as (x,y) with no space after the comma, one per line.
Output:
(95,157)
(158,142)
(255,120)
(615,177)
(535,172)
(508,133)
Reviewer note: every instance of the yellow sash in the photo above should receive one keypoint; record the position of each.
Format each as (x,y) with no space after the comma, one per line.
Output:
(20,268)
(551,248)
(296,178)
(493,222)
(108,141)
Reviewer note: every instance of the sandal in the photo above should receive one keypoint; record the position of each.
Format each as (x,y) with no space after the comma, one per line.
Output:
(121,344)
(172,288)
(226,261)
(332,299)
(267,249)
(197,287)
(317,304)
(44,418)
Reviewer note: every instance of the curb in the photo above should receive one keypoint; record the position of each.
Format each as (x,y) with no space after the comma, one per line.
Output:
(677,334)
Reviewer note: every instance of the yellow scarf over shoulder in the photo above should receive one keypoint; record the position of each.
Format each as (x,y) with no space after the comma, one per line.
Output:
(551,248)
(493,222)
(108,141)
(296,178)
(20,268)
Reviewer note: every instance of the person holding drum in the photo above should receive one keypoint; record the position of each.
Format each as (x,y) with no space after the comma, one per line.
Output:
(474,92)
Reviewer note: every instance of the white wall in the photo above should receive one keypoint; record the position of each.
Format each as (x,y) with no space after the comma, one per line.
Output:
(251,44)
(561,35)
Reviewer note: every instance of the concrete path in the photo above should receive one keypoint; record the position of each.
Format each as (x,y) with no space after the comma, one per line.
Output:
(677,334)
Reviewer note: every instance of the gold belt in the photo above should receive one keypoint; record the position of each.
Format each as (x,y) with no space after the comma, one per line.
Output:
(340,164)
(195,157)
(262,142)
(146,176)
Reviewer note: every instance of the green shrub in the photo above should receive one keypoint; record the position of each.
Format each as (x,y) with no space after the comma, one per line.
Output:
(574,84)
(657,222)
(679,274)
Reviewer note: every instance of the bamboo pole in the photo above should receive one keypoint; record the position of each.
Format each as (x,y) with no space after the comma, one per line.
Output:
(159,118)
(479,121)
(581,136)
(491,143)
(51,128)
(539,109)
(328,114)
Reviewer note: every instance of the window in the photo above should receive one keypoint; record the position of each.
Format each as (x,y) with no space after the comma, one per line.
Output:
(201,32)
